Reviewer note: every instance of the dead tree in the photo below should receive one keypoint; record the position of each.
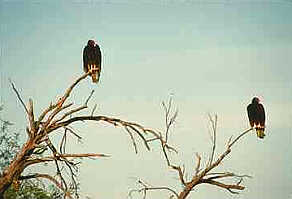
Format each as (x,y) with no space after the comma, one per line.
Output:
(202,174)
(59,116)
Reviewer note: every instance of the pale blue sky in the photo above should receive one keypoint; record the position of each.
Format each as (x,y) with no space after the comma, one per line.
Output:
(214,56)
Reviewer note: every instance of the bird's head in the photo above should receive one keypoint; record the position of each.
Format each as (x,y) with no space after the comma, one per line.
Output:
(91,43)
(255,100)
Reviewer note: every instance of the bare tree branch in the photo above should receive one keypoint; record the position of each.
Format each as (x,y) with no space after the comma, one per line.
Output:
(180,173)
(72,132)
(94,108)
(238,137)
(87,100)
(145,188)
(198,164)
(169,121)
(116,122)
(221,175)
(18,96)
(133,139)
(31,117)
(202,175)
(51,119)
(46,111)
(214,128)
(32,161)
(75,110)
(39,132)
(229,187)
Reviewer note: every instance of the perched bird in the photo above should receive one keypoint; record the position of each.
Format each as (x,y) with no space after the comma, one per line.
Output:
(256,116)
(92,60)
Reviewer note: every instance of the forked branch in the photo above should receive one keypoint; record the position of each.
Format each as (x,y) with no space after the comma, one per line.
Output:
(202,175)
(40,149)
(145,188)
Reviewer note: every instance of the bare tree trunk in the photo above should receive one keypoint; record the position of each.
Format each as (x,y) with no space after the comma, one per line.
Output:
(16,167)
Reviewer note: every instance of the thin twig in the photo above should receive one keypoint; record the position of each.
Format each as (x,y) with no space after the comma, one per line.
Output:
(94,108)
(198,164)
(87,100)
(72,132)
(214,128)
(132,138)
(18,96)
(222,185)
(146,188)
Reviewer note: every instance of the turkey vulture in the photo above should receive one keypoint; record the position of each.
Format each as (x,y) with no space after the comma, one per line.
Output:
(92,60)
(256,116)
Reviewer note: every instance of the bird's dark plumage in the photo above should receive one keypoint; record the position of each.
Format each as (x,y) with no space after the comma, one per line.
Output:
(92,60)
(256,116)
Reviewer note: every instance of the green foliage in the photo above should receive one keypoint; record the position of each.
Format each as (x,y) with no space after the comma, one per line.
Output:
(8,143)
(29,189)
(32,189)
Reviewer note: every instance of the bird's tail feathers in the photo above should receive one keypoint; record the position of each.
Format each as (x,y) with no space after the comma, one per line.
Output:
(95,72)
(260,132)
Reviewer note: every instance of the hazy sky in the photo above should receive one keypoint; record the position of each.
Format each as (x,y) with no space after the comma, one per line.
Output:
(213,56)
